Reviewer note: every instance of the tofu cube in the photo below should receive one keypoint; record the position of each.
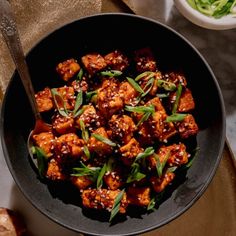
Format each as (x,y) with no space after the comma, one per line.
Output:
(63,124)
(127,93)
(116,60)
(139,196)
(93,63)
(54,170)
(81,182)
(68,69)
(44,100)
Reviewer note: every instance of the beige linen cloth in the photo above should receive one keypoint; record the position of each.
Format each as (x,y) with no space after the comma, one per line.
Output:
(215,212)
(35,19)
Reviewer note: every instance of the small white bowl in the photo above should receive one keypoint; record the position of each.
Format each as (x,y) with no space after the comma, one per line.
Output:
(225,22)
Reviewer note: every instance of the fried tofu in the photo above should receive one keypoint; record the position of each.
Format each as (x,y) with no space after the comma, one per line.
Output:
(122,128)
(68,69)
(69,145)
(81,182)
(114,179)
(145,60)
(108,98)
(63,124)
(156,102)
(94,63)
(116,60)
(159,184)
(139,196)
(80,85)
(67,97)
(129,151)
(187,127)
(186,101)
(127,93)
(98,146)
(90,117)
(103,199)
(176,78)
(176,154)
(45,141)
(162,130)
(44,100)
(54,170)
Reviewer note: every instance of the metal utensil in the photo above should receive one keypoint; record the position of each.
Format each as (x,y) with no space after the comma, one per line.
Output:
(10,33)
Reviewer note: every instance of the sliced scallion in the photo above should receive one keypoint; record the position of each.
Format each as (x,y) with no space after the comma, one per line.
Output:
(104,140)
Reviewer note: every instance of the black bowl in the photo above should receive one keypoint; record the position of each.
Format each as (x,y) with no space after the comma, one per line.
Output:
(103,33)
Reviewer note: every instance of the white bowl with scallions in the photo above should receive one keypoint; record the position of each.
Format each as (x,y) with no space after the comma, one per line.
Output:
(210,14)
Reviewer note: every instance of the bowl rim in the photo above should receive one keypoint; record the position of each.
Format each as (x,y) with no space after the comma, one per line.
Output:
(225,23)
(220,148)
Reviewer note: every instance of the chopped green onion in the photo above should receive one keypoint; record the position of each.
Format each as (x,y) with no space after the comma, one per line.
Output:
(79,112)
(176,117)
(147,152)
(80,74)
(85,134)
(100,176)
(194,155)
(144,74)
(78,102)
(87,152)
(149,85)
(171,169)
(58,98)
(141,109)
(135,85)
(89,95)
(168,86)
(144,118)
(104,140)
(41,160)
(162,95)
(151,204)
(160,166)
(111,73)
(135,174)
(116,206)
(84,170)
(178,95)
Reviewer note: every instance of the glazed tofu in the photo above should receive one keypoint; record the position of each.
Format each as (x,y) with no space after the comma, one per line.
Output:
(108,98)
(103,199)
(186,101)
(97,146)
(145,60)
(68,69)
(127,93)
(176,78)
(54,171)
(129,151)
(159,184)
(69,145)
(117,60)
(80,85)
(90,117)
(81,182)
(114,179)
(67,97)
(187,127)
(45,141)
(94,63)
(175,154)
(156,102)
(139,196)
(145,136)
(44,100)
(162,130)
(155,76)
(63,124)
(122,128)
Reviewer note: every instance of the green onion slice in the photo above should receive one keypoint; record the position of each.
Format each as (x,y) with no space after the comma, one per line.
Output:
(176,117)
(168,86)
(160,166)
(178,95)
(85,134)
(141,109)
(147,152)
(135,85)
(135,174)
(116,206)
(80,74)
(144,74)
(78,102)
(111,73)
(104,140)
(100,176)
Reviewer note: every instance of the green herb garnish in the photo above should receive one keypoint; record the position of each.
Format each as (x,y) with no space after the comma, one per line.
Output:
(87,152)
(151,204)
(84,170)
(111,73)
(148,87)
(104,140)
(162,95)
(178,95)
(116,206)
(194,155)
(80,74)
(168,86)
(78,102)
(41,160)
(213,8)
(89,95)
(85,134)
(176,117)
(147,152)
(100,176)
(144,74)
(135,85)
(141,109)
(135,174)
(161,165)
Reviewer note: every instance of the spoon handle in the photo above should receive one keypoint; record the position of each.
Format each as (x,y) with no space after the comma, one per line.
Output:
(10,34)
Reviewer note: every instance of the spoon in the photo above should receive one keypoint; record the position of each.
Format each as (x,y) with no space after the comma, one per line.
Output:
(11,36)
